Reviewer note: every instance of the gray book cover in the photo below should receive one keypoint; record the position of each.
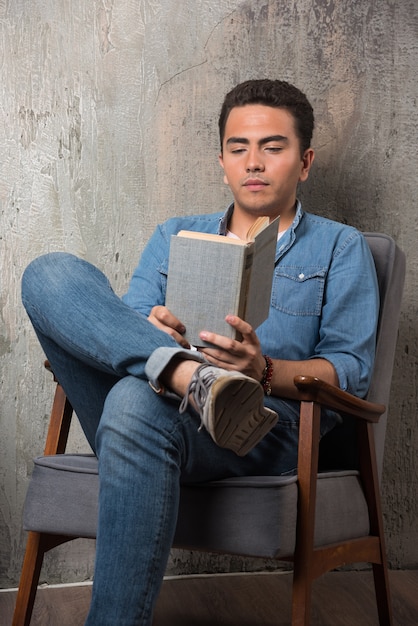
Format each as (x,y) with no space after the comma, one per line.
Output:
(212,276)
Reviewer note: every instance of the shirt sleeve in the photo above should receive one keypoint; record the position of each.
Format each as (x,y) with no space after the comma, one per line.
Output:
(350,310)
(148,283)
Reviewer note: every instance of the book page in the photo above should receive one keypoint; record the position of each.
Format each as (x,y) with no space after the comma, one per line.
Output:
(260,224)
(191,234)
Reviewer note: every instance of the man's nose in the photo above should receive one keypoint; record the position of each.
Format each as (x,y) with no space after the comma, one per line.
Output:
(254,161)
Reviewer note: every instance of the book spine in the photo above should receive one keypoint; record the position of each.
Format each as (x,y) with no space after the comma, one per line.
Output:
(245,280)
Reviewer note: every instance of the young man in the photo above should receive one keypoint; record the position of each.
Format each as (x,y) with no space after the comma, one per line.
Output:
(105,351)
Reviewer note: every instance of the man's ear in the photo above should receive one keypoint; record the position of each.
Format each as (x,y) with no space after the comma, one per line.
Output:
(307,160)
(221,163)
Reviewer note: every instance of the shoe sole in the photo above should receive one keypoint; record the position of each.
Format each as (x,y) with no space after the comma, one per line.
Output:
(239,418)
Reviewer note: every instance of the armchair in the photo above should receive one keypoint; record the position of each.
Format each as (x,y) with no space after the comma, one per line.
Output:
(326,516)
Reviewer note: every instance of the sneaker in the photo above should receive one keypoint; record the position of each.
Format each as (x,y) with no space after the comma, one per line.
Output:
(231,407)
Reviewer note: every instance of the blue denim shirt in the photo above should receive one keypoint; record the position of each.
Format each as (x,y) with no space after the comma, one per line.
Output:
(324,300)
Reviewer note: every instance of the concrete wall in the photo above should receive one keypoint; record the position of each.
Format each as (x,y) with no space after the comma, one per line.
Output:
(108,126)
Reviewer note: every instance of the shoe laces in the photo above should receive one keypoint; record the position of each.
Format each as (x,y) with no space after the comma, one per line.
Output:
(198,387)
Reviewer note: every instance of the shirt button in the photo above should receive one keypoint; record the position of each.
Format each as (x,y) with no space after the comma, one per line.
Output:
(301,276)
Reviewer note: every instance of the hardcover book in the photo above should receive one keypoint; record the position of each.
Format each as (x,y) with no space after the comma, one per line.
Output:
(212,276)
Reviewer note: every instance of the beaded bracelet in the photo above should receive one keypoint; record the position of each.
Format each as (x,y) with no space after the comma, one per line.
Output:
(267,375)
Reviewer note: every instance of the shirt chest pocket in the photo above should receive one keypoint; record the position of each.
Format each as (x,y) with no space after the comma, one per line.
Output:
(298,290)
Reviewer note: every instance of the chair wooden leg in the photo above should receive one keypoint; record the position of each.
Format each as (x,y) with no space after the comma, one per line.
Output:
(372,490)
(29,578)
(310,417)
(37,545)
(301,599)
(383,596)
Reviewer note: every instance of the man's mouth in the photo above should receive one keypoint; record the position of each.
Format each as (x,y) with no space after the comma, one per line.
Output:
(254,184)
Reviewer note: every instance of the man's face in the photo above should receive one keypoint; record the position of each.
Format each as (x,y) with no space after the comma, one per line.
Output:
(262,161)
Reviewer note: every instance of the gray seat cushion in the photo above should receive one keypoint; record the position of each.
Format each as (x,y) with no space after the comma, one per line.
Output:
(62,497)
(254,515)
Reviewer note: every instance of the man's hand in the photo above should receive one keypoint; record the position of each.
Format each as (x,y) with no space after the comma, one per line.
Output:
(243,356)
(161,317)
(246,357)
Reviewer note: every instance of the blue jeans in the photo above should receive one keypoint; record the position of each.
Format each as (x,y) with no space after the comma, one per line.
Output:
(99,349)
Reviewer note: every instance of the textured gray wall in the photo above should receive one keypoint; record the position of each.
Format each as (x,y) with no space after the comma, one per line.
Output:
(108,126)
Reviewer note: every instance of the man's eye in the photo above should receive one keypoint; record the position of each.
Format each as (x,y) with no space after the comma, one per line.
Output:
(274,148)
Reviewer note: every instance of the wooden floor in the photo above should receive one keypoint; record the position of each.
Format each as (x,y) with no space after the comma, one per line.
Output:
(339,599)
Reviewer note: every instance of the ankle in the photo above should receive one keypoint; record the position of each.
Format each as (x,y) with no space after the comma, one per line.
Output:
(177,375)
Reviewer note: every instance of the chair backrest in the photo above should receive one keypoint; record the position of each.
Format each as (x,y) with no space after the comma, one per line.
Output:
(390,268)
(338,448)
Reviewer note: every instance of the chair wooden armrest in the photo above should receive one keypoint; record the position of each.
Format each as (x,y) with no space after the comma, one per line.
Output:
(313,389)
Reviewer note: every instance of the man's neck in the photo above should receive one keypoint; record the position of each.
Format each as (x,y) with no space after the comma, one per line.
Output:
(240,222)
(286,219)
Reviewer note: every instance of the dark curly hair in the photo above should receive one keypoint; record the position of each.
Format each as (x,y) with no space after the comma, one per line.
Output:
(273,93)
